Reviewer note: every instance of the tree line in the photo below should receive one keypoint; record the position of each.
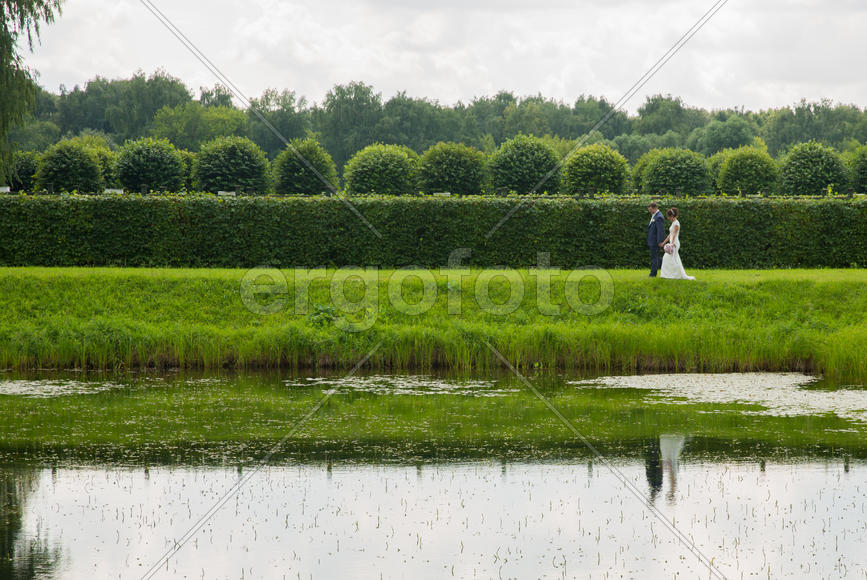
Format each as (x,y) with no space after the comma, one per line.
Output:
(354,115)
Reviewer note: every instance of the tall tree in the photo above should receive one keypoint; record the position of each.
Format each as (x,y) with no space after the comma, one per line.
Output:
(633,146)
(20,21)
(219,96)
(660,114)
(588,111)
(123,107)
(140,98)
(485,116)
(525,118)
(416,123)
(39,130)
(284,112)
(718,135)
(822,121)
(85,108)
(347,119)
(34,135)
(190,125)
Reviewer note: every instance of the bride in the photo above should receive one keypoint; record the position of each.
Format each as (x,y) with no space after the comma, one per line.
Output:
(671,265)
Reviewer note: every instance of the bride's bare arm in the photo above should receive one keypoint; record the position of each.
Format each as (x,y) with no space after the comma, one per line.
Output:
(668,238)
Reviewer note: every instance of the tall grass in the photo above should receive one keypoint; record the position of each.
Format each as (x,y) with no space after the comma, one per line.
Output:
(805,320)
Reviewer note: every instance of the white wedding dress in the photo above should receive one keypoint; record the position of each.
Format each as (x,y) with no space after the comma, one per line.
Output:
(671,265)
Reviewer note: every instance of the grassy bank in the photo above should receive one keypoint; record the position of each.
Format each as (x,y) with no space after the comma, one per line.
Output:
(808,320)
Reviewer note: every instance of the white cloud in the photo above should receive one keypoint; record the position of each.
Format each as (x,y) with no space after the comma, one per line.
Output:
(754,54)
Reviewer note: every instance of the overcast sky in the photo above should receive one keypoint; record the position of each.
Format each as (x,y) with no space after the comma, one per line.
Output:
(755,54)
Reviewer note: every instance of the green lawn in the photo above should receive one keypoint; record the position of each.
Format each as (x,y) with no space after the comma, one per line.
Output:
(810,320)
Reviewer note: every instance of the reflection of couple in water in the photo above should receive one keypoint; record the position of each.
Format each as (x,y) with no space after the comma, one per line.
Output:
(663,456)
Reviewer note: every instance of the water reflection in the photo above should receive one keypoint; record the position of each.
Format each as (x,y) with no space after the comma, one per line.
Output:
(662,461)
(670,447)
(653,467)
(430,476)
(22,555)
(482,519)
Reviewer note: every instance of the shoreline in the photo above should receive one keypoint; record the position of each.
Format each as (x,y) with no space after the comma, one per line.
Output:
(727,321)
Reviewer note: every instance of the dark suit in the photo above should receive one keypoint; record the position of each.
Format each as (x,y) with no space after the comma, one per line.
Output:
(655,235)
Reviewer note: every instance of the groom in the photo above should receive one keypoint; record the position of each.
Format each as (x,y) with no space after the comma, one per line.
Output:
(655,236)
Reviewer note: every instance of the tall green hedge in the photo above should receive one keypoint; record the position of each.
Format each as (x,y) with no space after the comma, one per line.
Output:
(158,230)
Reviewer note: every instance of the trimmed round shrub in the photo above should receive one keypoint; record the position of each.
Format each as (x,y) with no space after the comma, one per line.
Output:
(858,169)
(521,163)
(811,169)
(714,164)
(70,166)
(638,169)
(100,143)
(383,169)
(231,164)
(25,164)
(293,176)
(150,164)
(595,169)
(748,171)
(452,167)
(189,157)
(676,171)
(107,166)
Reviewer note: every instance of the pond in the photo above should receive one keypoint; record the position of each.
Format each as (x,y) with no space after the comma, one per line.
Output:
(410,476)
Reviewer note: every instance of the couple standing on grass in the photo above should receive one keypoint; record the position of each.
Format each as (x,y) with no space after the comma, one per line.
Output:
(671,266)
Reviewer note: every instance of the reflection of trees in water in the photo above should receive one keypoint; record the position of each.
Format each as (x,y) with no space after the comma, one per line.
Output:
(20,557)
